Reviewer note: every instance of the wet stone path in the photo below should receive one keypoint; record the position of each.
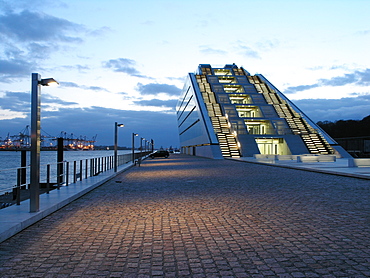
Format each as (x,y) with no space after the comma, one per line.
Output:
(195,217)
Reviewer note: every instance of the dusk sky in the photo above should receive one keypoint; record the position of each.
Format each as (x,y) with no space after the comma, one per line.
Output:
(126,60)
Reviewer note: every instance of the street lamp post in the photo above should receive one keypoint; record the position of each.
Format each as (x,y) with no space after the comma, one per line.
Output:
(141,145)
(37,82)
(116,125)
(133,146)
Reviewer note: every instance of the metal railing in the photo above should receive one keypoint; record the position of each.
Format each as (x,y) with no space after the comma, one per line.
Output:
(66,172)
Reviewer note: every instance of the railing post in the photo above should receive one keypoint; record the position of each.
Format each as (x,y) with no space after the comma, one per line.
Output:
(74,172)
(48,178)
(86,167)
(58,175)
(67,173)
(97,166)
(18,189)
(60,158)
(24,165)
(81,171)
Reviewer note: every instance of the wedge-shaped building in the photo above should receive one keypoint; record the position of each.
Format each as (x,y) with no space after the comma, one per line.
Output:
(226,112)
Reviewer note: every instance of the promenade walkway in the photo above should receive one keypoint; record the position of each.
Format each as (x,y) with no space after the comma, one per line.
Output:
(195,217)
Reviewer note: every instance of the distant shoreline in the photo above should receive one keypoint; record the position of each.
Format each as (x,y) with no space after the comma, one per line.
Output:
(67,150)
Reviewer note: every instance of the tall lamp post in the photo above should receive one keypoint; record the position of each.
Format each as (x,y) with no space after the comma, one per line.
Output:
(116,125)
(37,82)
(152,143)
(141,146)
(133,146)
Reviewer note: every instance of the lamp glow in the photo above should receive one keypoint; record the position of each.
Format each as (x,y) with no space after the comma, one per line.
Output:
(48,82)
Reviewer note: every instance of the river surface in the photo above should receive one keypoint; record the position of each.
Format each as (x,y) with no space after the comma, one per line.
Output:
(10,160)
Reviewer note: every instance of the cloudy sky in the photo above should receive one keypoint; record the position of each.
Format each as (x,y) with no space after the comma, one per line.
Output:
(126,60)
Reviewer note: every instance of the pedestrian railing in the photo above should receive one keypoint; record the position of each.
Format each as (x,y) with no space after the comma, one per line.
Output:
(53,176)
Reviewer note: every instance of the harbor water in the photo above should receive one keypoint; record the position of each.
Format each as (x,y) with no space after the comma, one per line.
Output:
(11,160)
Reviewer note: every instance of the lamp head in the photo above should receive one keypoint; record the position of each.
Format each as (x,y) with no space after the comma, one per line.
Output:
(120,125)
(48,82)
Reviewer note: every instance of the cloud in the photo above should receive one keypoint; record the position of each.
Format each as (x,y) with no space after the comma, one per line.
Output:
(32,26)
(358,78)
(28,37)
(123,65)
(364,32)
(148,22)
(46,98)
(294,89)
(354,108)
(100,32)
(14,67)
(16,101)
(155,88)
(268,44)
(253,50)
(212,51)
(202,23)
(80,68)
(249,52)
(161,127)
(21,101)
(158,103)
(75,85)
(9,5)
(181,79)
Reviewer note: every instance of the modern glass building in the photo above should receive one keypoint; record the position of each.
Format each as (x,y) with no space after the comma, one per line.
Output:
(226,112)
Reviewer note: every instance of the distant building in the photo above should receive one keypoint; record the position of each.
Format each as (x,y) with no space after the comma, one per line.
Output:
(226,112)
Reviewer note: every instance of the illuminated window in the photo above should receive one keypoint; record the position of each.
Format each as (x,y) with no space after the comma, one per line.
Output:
(222,72)
(248,111)
(259,127)
(272,146)
(227,79)
(240,99)
(233,89)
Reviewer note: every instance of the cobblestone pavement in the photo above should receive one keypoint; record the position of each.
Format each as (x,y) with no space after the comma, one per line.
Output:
(196,217)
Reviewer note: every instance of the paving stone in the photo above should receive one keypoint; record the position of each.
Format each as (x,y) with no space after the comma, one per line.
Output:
(194,217)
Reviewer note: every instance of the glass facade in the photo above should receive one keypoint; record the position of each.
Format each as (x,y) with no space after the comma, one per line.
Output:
(226,112)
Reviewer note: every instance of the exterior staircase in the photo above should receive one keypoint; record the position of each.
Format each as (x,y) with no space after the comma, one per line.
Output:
(227,141)
(315,142)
